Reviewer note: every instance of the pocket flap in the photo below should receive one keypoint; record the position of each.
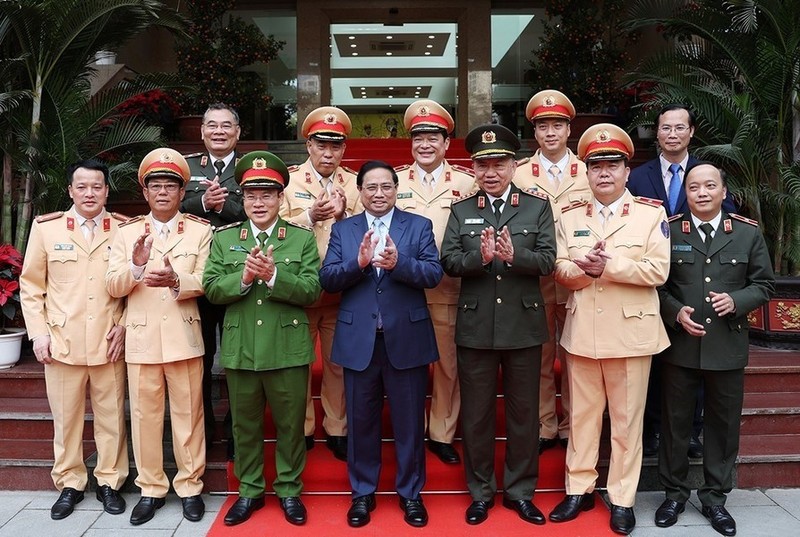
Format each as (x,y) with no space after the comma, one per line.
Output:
(629,242)
(523,229)
(469,302)
(732,258)
(419,314)
(136,319)
(56,318)
(639,310)
(289,319)
(345,316)
(231,320)
(530,302)
(63,256)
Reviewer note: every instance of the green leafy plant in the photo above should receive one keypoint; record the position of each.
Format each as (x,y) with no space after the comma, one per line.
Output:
(10,268)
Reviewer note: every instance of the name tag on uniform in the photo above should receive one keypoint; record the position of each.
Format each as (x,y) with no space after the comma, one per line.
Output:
(237,248)
(473,220)
(681,247)
(404,195)
(581,233)
(303,195)
(60,246)
(197,178)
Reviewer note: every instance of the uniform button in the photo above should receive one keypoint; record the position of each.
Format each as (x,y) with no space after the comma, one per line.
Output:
(471,233)
(91,318)
(295,322)
(91,258)
(599,310)
(259,301)
(164,318)
(708,279)
(499,277)
(600,289)
(499,300)
(708,320)
(91,278)
(525,231)
(733,261)
(380,291)
(259,322)
(91,297)
(708,299)
(325,228)
(680,261)
(286,260)
(260,282)
(708,260)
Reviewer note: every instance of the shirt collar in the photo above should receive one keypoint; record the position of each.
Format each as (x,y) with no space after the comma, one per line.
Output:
(269,230)
(561,164)
(81,219)
(386,219)
(714,221)
(665,164)
(613,206)
(170,225)
(226,159)
(503,196)
(435,173)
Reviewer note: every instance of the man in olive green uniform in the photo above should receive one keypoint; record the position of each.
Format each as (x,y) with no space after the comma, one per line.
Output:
(213,194)
(499,241)
(265,271)
(428,187)
(720,272)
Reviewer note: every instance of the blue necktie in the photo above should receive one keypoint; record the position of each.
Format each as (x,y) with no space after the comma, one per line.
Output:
(674,187)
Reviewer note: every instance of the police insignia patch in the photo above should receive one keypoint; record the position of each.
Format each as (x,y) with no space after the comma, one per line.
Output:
(665,228)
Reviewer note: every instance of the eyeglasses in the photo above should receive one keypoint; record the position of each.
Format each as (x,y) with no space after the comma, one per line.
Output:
(386,188)
(227,127)
(169,187)
(679,129)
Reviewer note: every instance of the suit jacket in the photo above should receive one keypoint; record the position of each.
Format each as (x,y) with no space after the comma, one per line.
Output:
(201,166)
(62,288)
(160,325)
(646,180)
(500,306)
(615,315)
(737,263)
(574,188)
(412,196)
(264,328)
(397,294)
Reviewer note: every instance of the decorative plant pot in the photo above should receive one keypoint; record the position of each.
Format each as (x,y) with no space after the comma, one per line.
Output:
(777,323)
(10,346)
(105,57)
(189,128)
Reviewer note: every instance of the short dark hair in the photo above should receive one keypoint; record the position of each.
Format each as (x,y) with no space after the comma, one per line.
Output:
(89,164)
(694,165)
(221,106)
(374,165)
(675,106)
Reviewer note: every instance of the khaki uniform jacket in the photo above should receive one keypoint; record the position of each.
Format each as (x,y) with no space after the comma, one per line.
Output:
(574,188)
(617,314)
(737,263)
(63,291)
(412,196)
(159,326)
(500,306)
(201,166)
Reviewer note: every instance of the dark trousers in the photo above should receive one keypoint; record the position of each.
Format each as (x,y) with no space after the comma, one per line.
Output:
(723,409)
(211,317)
(652,409)
(364,393)
(477,373)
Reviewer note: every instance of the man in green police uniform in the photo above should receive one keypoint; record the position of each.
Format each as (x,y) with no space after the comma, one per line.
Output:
(265,271)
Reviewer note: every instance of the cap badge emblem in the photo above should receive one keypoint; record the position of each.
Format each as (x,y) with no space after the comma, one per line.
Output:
(549,101)
(602,136)
(488,137)
(259,164)
(165,157)
(329,119)
(423,111)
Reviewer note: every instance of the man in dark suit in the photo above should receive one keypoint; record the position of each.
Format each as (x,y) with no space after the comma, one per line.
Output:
(499,241)
(720,272)
(382,261)
(213,194)
(662,179)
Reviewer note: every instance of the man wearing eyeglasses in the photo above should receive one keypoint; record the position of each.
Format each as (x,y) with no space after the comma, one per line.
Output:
(157,262)
(212,193)
(662,179)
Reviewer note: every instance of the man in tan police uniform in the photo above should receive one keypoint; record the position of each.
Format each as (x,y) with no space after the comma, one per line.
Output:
(321,192)
(157,262)
(75,327)
(613,252)
(428,187)
(553,170)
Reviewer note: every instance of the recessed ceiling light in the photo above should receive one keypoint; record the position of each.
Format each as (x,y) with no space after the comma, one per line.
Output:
(391,87)
(363,88)
(353,45)
(391,96)
(427,46)
(388,53)
(389,37)
(431,37)
(354,54)
(351,37)
(427,53)
(363,96)
(419,87)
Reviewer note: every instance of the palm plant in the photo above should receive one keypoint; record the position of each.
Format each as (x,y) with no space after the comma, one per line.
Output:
(49,116)
(737,64)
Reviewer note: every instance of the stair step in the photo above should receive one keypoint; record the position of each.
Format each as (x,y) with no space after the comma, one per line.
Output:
(771,413)
(771,370)
(768,461)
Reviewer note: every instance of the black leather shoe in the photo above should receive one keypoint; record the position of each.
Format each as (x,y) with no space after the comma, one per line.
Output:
(526,510)
(695,450)
(65,503)
(293,510)
(571,506)
(622,519)
(338,446)
(241,510)
(721,519)
(358,514)
(415,513)
(193,508)
(146,509)
(478,511)
(547,443)
(309,442)
(667,513)
(650,444)
(113,503)
(446,452)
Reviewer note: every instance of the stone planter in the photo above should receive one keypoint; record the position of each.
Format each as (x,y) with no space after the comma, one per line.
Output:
(189,128)
(777,324)
(10,347)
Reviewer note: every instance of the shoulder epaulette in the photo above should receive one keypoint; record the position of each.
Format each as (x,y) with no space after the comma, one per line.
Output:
(120,217)
(228,226)
(132,220)
(675,217)
(574,205)
(402,167)
(537,194)
(463,169)
(301,226)
(293,168)
(741,218)
(49,216)
(465,197)
(648,201)
(196,218)
(522,161)
(348,170)
(193,155)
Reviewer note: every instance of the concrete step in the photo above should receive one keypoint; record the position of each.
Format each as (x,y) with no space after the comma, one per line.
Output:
(768,460)
(771,414)
(771,370)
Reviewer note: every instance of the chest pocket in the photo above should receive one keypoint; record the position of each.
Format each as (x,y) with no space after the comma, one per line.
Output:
(407,203)
(734,266)
(471,235)
(290,260)
(184,259)
(523,234)
(234,258)
(629,242)
(62,266)
(681,268)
